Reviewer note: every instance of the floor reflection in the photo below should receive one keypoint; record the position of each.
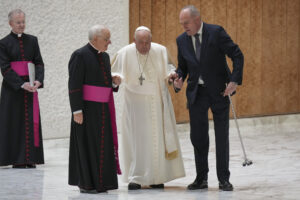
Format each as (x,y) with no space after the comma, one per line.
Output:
(272,143)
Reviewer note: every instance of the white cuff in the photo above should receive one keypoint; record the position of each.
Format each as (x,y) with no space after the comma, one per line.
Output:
(77,111)
(114,85)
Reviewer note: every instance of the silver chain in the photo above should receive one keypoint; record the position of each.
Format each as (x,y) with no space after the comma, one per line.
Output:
(140,68)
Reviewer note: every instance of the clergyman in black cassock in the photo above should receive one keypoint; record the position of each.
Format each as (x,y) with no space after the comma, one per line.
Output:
(93,159)
(20,126)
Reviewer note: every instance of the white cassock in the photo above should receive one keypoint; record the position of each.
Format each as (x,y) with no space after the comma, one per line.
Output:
(150,149)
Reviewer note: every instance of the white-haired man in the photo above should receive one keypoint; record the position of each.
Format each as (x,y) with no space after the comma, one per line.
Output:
(21,143)
(93,161)
(150,147)
(202,51)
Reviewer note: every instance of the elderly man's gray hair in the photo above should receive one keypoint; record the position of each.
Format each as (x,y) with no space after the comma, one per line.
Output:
(142,28)
(14,12)
(193,10)
(96,31)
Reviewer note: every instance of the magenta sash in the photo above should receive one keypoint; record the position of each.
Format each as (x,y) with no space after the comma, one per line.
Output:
(104,95)
(21,68)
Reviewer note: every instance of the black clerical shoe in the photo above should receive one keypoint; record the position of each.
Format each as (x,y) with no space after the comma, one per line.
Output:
(88,191)
(158,186)
(101,191)
(134,186)
(225,186)
(31,166)
(19,166)
(202,184)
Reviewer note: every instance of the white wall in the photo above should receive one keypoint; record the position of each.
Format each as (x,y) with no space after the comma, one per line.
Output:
(61,27)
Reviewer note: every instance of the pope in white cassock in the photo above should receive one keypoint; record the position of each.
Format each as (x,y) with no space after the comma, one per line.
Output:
(150,149)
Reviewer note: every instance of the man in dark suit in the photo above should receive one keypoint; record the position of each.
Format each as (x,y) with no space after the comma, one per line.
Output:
(202,51)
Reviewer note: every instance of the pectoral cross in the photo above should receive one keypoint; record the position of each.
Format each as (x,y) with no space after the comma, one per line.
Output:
(141,78)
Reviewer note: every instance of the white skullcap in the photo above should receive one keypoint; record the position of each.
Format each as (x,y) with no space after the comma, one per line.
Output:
(142,28)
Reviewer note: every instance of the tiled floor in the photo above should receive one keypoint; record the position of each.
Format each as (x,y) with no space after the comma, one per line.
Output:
(272,143)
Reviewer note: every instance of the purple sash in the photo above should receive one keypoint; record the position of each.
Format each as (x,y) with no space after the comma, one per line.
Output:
(21,68)
(105,95)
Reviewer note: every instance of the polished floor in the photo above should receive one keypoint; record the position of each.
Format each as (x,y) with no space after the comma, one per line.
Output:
(272,143)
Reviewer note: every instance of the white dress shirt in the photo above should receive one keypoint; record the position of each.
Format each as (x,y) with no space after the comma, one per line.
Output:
(200,31)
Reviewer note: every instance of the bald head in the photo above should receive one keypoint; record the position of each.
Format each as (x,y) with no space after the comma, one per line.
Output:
(190,19)
(192,10)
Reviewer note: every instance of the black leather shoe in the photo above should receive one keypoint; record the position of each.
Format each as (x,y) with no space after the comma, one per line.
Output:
(158,186)
(31,166)
(19,166)
(225,186)
(88,191)
(134,186)
(198,185)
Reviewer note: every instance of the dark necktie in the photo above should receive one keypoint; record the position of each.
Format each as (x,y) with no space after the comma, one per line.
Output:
(198,46)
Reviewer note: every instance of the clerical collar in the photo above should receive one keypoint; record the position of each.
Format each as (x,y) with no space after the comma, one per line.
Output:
(18,34)
(95,48)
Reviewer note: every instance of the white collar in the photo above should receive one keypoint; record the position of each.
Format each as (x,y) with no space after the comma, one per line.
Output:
(201,29)
(94,47)
(18,34)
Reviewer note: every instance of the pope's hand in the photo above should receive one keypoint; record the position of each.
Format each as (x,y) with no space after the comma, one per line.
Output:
(178,83)
(116,80)
(172,77)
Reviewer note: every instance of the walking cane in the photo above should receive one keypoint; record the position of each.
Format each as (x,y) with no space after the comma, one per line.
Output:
(247,161)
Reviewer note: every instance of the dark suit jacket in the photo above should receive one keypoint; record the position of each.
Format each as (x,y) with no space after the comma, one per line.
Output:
(216,44)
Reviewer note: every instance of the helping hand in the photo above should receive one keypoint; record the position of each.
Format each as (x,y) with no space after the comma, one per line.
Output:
(172,77)
(178,83)
(116,80)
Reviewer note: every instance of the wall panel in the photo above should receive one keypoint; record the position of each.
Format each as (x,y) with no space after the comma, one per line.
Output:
(134,17)
(243,39)
(292,80)
(271,58)
(145,12)
(159,21)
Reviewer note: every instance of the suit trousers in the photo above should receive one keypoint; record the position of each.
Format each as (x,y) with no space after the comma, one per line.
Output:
(199,126)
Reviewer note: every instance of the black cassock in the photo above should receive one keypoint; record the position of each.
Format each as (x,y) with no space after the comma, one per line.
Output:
(16,104)
(92,163)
